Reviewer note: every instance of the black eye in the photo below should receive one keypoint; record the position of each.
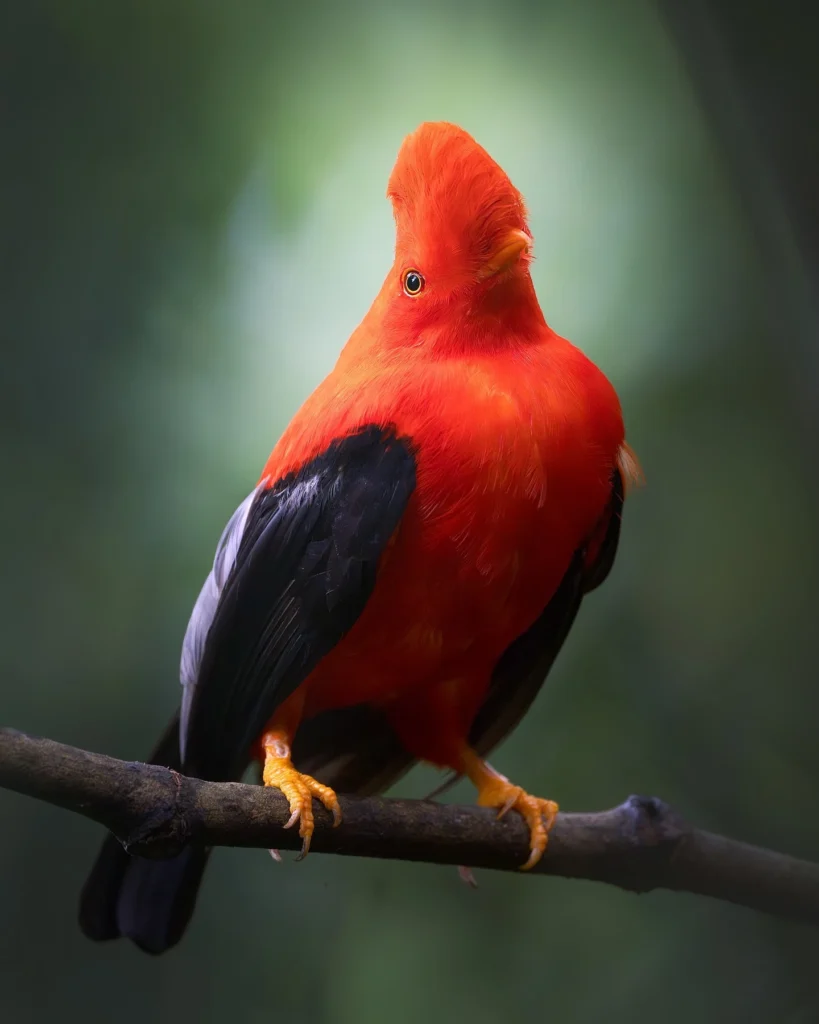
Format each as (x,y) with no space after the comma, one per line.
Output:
(413,282)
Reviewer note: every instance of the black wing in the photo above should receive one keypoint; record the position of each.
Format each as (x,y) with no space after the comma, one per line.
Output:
(355,750)
(304,569)
(293,571)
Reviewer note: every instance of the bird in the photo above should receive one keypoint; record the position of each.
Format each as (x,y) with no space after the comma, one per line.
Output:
(399,582)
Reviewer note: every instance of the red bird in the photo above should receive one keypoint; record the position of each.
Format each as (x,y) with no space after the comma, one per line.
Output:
(402,577)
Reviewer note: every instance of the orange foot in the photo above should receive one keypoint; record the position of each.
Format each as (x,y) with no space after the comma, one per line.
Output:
(299,789)
(495,790)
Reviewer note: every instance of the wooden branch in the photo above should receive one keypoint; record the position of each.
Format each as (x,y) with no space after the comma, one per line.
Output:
(640,845)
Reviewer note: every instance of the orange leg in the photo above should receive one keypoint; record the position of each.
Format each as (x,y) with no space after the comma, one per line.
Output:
(433,724)
(495,790)
(279,771)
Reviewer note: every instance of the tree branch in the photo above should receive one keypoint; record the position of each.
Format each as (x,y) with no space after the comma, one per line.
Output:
(640,845)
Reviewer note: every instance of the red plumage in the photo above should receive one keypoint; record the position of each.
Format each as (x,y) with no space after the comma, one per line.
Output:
(516,435)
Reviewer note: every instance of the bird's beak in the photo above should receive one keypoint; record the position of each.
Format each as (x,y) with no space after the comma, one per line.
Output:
(516,243)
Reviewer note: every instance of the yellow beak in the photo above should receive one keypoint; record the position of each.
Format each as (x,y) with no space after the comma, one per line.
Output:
(517,242)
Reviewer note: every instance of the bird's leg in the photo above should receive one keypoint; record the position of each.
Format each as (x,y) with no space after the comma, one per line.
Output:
(279,771)
(299,789)
(495,790)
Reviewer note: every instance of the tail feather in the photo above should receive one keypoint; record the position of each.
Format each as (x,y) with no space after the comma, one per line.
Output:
(98,900)
(147,901)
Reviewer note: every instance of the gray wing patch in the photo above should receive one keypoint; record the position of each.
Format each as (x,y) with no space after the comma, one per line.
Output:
(205,608)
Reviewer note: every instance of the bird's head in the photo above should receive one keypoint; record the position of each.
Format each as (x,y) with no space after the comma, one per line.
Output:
(462,242)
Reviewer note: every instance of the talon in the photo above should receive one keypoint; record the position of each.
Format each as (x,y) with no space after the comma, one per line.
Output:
(539,815)
(466,875)
(494,790)
(299,790)
(510,802)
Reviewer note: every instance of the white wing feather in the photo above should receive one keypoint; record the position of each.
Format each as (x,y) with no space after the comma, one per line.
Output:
(204,610)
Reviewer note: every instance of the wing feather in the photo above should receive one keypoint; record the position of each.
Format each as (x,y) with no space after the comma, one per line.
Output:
(305,557)
(204,610)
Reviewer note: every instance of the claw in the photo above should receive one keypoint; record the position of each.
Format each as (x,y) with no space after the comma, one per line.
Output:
(539,815)
(466,875)
(299,790)
(510,802)
(494,790)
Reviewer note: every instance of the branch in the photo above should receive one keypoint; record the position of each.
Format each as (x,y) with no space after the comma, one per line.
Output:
(640,845)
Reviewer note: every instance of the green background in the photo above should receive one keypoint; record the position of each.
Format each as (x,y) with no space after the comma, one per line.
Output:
(193,221)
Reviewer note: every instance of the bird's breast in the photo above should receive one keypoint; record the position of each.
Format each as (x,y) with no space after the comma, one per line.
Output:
(509,485)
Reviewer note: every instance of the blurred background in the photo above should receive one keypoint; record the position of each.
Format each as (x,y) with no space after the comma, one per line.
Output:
(193,221)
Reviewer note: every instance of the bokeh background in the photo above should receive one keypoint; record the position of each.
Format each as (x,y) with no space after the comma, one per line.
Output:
(193,221)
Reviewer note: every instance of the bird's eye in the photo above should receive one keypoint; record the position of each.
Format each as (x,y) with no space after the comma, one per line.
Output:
(413,282)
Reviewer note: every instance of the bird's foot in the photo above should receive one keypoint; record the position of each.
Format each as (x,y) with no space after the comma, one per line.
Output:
(299,789)
(495,790)
(538,813)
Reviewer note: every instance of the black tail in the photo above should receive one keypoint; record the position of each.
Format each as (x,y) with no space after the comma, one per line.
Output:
(147,901)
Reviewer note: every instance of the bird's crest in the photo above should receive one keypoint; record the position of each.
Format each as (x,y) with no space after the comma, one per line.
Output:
(445,186)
